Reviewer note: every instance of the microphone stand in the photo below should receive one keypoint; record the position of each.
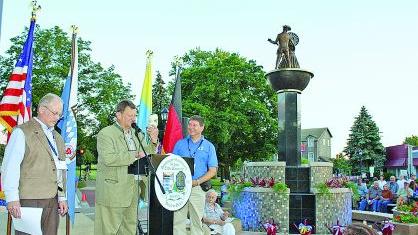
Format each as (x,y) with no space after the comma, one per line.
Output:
(151,171)
(150,165)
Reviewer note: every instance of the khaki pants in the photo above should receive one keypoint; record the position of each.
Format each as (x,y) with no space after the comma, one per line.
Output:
(194,207)
(49,218)
(116,220)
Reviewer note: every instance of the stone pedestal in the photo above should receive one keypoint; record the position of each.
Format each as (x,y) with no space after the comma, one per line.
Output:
(332,207)
(256,205)
(299,203)
(265,170)
(320,172)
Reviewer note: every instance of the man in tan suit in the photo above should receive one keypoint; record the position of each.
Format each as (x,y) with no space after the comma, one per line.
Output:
(116,190)
(34,168)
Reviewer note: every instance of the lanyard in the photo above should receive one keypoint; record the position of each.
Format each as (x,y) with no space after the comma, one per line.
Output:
(130,142)
(50,145)
(190,152)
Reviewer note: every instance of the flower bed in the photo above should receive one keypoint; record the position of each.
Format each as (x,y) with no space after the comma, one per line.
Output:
(237,186)
(406,213)
(405,217)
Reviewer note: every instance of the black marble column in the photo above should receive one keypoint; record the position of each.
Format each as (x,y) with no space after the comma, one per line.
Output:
(289,127)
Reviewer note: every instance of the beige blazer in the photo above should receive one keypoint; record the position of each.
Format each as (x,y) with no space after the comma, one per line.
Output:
(114,186)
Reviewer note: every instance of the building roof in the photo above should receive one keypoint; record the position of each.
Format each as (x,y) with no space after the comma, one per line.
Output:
(400,162)
(397,156)
(315,132)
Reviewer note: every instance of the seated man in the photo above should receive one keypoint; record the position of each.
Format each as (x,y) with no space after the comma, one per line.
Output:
(215,217)
(373,197)
(393,186)
(362,190)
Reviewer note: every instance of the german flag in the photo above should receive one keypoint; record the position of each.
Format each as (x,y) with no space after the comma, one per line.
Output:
(173,130)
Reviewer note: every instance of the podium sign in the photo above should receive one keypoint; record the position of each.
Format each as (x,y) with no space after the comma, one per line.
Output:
(176,178)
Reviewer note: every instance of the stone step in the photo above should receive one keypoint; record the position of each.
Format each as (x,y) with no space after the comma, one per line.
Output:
(370,216)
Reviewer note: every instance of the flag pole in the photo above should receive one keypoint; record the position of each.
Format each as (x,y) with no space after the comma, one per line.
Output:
(35,9)
(67,224)
(9,224)
(74,29)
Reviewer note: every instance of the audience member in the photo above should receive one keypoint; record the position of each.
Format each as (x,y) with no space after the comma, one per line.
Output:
(393,186)
(413,185)
(400,181)
(215,217)
(382,182)
(362,190)
(413,178)
(387,197)
(373,197)
(405,192)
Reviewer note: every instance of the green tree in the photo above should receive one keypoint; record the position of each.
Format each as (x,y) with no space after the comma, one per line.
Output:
(239,107)
(160,97)
(411,140)
(364,148)
(88,157)
(100,89)
(341,164)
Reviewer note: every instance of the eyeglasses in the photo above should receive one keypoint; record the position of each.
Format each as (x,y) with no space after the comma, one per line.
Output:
(57,114)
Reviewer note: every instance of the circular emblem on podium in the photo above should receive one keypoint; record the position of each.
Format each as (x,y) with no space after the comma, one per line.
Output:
(176,178)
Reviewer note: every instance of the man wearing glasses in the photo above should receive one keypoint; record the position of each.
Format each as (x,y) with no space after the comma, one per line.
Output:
(116,190)
(34,168)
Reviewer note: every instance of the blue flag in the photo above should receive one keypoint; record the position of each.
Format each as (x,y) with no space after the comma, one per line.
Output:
(68,126)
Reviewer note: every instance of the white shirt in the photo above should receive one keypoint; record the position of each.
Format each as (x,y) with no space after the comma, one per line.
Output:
(382,183)
(13,157)
(400,183)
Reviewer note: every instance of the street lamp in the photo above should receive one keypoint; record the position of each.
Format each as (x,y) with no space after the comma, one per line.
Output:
(164,115)
(161,125)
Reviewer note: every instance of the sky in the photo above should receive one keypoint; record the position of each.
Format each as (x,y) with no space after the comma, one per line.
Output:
(361,52)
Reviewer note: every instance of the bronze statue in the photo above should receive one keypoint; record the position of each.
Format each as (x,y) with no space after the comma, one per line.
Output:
(286,41)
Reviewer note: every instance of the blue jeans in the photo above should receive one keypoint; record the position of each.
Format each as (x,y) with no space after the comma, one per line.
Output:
(374,205)
(362,204)
(383,205)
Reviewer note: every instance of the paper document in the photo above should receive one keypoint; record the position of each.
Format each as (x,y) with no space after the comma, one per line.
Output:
(30,222)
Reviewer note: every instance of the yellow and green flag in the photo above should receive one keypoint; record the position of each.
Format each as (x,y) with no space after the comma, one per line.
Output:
(145,104)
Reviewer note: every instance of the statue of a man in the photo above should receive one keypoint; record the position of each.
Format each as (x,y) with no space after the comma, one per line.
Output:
(286,52)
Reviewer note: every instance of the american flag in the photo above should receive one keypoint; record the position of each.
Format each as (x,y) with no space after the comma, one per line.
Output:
(15,106)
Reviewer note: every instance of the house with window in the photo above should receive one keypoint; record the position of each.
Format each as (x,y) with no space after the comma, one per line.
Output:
(316,144)
(402,159)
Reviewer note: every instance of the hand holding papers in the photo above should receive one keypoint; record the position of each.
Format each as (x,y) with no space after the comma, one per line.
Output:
(30,221)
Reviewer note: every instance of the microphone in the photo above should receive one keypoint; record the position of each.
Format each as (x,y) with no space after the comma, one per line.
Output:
(137,129)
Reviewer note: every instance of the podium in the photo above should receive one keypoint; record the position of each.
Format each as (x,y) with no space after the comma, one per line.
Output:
(160,220)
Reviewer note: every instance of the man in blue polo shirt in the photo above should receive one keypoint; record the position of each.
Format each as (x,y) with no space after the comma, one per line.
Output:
(205,166)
